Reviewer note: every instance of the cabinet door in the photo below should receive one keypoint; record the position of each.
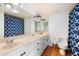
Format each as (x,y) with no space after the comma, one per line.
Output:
(19,52)
(39,48)
(35,52)
(48,40)
(44,43)
(14,53)
(41,45)
(24,51)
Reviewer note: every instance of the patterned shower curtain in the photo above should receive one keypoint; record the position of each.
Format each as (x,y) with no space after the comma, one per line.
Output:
(73,34)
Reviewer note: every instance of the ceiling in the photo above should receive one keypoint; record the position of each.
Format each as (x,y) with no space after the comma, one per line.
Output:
(21,12)
(47,9)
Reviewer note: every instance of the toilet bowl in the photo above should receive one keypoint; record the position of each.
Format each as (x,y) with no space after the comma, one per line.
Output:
(63,46)
(62,49)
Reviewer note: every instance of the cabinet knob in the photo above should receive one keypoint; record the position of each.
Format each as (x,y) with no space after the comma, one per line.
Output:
(47,39)
(38,43)
(22,53)
(38,49)
(43,44)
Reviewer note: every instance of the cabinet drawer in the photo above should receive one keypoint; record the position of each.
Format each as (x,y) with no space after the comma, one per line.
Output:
(15,52)
(34,53)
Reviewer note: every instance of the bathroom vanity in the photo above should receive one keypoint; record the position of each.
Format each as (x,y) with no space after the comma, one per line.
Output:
(32,45)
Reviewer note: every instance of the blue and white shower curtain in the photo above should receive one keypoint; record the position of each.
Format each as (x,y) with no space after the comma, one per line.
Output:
(73,34)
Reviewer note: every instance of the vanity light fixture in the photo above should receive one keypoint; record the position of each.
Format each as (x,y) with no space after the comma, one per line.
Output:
(10,6)
(17,4)
(15,11)
(38,18)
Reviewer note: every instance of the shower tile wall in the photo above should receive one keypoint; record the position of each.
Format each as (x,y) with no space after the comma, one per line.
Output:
(74,30)
(13,26)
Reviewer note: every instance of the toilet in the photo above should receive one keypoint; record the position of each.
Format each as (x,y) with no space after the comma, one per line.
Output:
(61,42)
(62,45)
(62,49)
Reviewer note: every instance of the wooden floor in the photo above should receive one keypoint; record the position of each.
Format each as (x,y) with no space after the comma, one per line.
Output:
(50,51)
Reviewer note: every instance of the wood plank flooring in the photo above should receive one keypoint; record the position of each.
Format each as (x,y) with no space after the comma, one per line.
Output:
(50,51)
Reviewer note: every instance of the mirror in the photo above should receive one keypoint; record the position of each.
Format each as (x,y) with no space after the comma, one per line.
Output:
(41,25)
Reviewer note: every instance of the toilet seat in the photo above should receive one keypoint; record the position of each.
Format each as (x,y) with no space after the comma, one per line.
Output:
(62,47)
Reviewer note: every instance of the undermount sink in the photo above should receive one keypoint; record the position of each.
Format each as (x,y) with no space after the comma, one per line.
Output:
(9,46)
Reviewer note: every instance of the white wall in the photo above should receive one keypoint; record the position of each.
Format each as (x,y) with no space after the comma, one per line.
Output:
(29,26)
(58,26)
(32,25)
(1,22)
(26,26)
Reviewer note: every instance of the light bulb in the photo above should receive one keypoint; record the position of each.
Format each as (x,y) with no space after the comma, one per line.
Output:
(15,11)
(8,6)
(16,4)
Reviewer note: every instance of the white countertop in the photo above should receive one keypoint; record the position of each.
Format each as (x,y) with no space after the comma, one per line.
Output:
(6,48)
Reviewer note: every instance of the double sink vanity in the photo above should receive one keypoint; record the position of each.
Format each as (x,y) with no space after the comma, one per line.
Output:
(32,45)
